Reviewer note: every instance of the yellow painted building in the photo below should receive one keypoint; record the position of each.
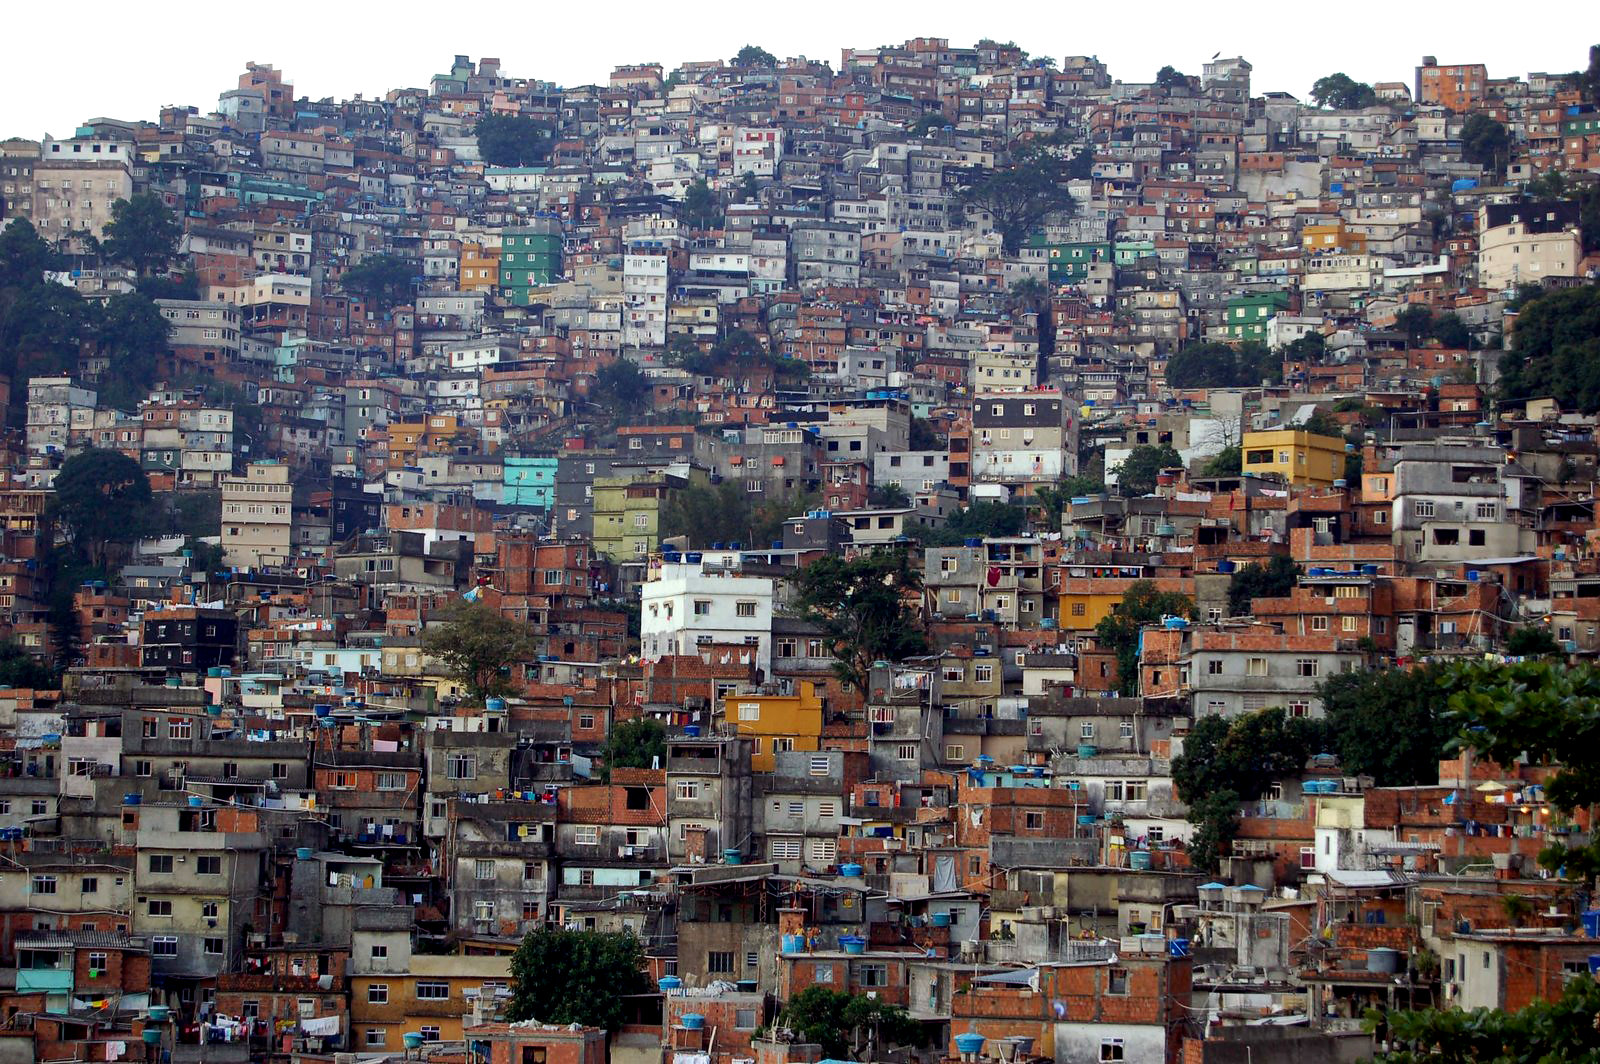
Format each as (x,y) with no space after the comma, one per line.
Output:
(1084,601)
(480,267)
(777,722)
(428,998)
(1333,238)
(1301,458)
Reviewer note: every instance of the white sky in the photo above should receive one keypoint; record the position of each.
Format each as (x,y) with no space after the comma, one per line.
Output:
(61,64)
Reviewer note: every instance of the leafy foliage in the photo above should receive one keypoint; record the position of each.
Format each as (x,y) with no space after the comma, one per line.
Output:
(18,668)
(103,500)
(562,977)
(1136,474)
(753,56)
(1541,1033)
(1526,641)
(635,743)
(860,606)
(1207,364)
(701,207)
(1557,349)
(24,255)
(1168,77)
(132,333)
(621,388)
(1484,141)
(1020,195)
(1547,711)
(890,496)
(979,519)
(841,1023)
(381,280)
(477,645)
(1142,603)
(142,233)
(512,140)
(1226,761)
(725,513)
(1228,462)
(1250,582)
(1389,724)
(1343,93)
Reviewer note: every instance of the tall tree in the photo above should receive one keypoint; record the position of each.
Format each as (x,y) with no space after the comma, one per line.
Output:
(478,646)
(1169,78)
(637,743)
(131,331)
(1543,1032)
(1136,474)
(24,255)
(847,1025)
(754,57)
(1485,141)
(142,234)
(1557,349)
(1208,364)
(1343,93)
(1022,193)
(512,140)
(582,977)
(103,500)
(1389,724)
(621,388)
(860,605)
(381,280)
(1250,582)
(1118,631)
(701,207)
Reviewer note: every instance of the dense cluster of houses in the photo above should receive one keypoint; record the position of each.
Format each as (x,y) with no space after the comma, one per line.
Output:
(258,820)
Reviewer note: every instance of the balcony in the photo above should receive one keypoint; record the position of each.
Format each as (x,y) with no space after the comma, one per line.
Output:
(44,980)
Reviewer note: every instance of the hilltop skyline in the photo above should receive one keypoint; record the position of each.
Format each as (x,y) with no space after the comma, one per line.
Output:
(312,47)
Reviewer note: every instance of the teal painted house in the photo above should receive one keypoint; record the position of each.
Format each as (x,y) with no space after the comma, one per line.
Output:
(529,480)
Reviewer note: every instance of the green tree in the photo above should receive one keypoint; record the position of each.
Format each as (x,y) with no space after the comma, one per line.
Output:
(102,499)
(621,388)
(890,496)
(1118,631)
(725,513)
(18,668)
(1485,141)
(1342,93)
(1169,78)
(1557,349)
(1208,364)
(1226,761)
(131,331)
(1543,710)
(1526,641)
(25,257)
(42,330)
(477,646)
(184,286)
(701,207)
(1228,462)
(848,1026)
(142,234)
(1589,80)
(860,606)
(1451,331)
(1389,724)
(512,140)
(754,57)
(1321,423)
(1309,348)
(1543,1032)
(1250,582)
(924,437)
(1416,321)
(583,977)
(636,743)
(384,281)
(1021,194)
(979,519)
(1136,474)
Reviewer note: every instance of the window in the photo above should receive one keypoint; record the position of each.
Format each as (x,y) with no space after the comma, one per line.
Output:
(391,781)
(745,609)
(1424,508)
(164,946)
(955,752)
(1256,667)
(702,607)
(983,674)
(44,884)
(874,975)
(1111,1051)
(687,790)
(1308,667)
(586,835)
(160,863)
(819,766)
(783,849)
(822,851)
(1086,730)
(1035,821)
(89,885)
(1214,667)
(429,1032)
(1319,623)
(744,1019)
(208,865)
(906,752)
(433,991)
(377,993)
(1117,981)
(483,870)
(213,947)
(462,767)
(377,1038)
(719,962)
(158,907)
(180,728)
